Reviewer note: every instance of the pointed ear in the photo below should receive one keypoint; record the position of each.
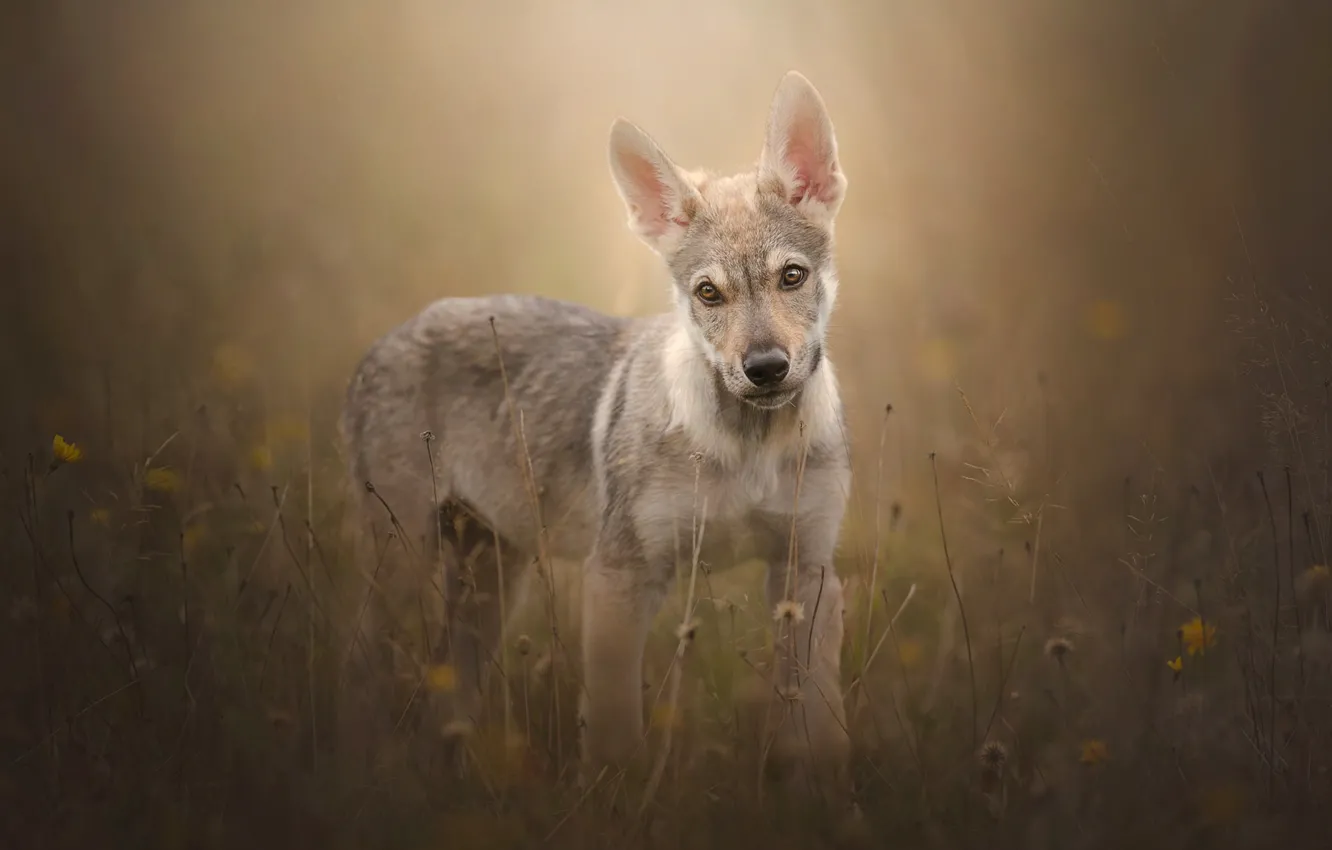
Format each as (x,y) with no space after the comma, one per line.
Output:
(800,151)
(660,199)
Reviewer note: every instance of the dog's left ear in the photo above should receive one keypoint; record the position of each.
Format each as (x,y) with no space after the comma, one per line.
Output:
(800,152)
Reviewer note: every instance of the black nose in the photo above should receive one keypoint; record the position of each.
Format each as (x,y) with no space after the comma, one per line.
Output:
(766,366)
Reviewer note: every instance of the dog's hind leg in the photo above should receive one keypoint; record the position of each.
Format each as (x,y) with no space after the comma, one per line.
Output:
(477,564)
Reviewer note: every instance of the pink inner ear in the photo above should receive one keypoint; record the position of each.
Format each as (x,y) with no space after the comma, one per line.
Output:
(809,158)
(651,201)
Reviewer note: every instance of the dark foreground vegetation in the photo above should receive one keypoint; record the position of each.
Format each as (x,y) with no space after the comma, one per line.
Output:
(172,661)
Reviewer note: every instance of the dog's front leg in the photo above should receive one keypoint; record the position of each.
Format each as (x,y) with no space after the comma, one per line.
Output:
(805,596)
(621,595)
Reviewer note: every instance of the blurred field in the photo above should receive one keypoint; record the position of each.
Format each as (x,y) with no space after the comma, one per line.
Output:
(1083,258)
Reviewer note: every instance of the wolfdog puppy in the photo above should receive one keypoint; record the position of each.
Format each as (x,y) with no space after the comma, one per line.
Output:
(723,411)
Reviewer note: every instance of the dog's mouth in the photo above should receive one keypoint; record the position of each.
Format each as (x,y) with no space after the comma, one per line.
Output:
(769,399)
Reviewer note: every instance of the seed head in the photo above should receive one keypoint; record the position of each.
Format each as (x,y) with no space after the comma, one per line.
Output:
(542,665)
(789,610)
(1058,648)
(993,756)
(685,631)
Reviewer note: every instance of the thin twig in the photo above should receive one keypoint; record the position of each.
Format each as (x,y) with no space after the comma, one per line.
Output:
(1036,552)
(516,422)
(1276,635)
(74,558)
(878,511)
(1290,565)
(962,611)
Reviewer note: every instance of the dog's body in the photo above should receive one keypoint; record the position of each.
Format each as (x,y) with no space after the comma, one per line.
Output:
(723,411)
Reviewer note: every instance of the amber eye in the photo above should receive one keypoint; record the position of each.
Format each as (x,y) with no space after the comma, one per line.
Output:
(707,293)
(793,276)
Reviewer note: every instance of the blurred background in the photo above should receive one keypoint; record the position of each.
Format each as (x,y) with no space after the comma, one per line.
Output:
(1036,186)
(1083,244)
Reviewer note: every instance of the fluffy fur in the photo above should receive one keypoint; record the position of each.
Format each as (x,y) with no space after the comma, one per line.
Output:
(621,417)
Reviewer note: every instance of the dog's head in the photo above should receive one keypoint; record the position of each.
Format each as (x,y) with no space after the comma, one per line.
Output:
(751,254)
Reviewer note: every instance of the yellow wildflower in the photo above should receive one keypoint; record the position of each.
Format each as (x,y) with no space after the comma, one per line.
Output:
(232,365)
(909,653)
(100,516)
(1177,664)
(1105,320)
(1197,636)
(161,479)
(288,427)
(192,537)
(665,716)
(261,458)
(442,678)
(1094,751)
(66,452)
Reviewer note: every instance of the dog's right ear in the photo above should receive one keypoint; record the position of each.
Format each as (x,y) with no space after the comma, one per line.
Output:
(660,199)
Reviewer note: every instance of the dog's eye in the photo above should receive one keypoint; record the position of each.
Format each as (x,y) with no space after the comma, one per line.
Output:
(707,293)
(793,276)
